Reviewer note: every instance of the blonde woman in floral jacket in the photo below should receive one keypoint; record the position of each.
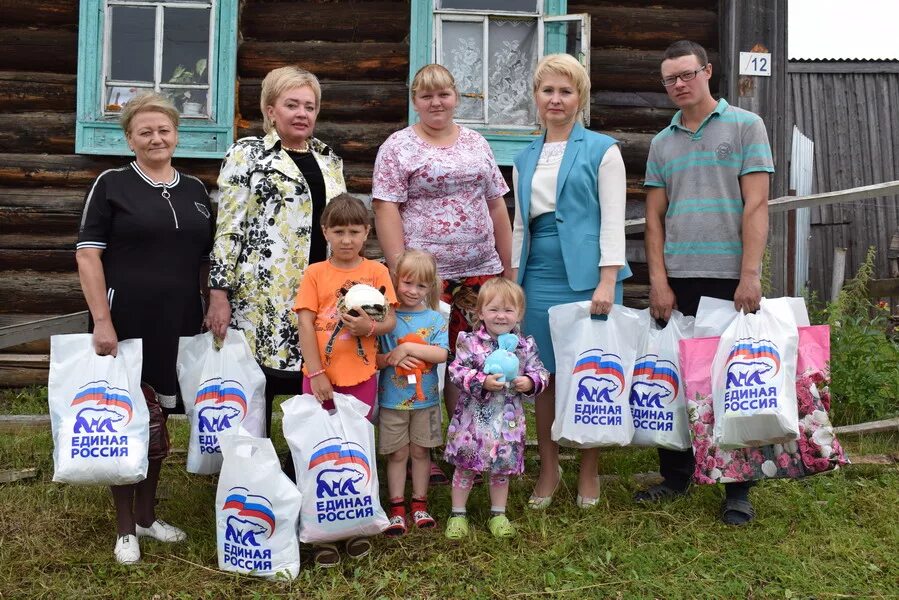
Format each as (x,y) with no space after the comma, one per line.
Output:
(273,190)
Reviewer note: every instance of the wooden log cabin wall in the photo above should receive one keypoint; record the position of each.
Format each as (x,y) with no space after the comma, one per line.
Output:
(359,49)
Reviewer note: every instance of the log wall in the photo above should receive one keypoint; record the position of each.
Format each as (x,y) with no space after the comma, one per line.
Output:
(359,50)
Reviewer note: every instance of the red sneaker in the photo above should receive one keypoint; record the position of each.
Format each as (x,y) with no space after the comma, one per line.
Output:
(397,526)
(420,515)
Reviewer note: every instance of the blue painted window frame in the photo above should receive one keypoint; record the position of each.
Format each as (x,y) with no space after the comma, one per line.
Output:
(505,144)
(96,133)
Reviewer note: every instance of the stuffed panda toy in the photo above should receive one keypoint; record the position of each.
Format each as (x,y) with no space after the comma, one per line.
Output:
(350,301)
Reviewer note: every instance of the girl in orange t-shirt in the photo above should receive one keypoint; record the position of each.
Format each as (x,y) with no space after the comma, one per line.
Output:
(346,368)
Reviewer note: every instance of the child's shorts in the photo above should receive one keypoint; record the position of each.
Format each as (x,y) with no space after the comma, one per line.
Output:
(420,426)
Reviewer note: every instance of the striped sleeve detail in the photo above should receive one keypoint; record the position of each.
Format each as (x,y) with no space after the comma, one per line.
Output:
(761,169)
(89,244)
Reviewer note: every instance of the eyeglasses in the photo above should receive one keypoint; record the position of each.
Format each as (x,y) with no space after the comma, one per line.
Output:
(685,77)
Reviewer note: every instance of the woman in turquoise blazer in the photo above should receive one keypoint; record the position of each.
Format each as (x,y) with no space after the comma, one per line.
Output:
(568,237)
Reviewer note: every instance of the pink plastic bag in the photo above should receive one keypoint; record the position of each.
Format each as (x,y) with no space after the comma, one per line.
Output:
(816,450)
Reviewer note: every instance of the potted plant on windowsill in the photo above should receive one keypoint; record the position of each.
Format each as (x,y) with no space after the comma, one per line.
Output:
(182,76)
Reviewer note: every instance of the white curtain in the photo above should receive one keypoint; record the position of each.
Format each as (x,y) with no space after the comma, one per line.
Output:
(512,56)
(463,49)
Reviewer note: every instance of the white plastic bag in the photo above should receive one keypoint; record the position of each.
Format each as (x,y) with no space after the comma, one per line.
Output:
(754,379)
(594,366)
(334,458)
(658,403)
(714,315)
(100,421)
(256,509)
(222,389)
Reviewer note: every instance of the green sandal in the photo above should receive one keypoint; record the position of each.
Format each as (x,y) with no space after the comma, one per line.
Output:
(500,527)
(457,527)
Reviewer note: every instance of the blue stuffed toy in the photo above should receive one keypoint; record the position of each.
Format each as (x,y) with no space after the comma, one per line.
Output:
(503,359)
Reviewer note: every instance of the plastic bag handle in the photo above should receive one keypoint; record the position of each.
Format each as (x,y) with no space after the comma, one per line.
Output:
(344,403)
(234,445)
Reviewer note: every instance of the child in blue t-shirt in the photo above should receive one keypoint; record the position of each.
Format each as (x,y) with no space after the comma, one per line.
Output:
(408,394)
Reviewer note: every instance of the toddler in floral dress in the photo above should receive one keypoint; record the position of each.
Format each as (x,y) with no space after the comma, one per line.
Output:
(487,430)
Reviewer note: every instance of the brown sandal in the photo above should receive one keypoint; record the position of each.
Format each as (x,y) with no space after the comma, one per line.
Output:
(357,547)
(326,555)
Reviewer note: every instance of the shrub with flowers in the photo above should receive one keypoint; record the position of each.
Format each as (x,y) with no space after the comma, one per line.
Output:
(864,361)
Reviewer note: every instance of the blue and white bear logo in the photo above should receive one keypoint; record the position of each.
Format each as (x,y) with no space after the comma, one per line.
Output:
(250,515)
(213,419)
(749,363)
(105,406)
(347,469)
(649,394)
(596,389)
(331,483)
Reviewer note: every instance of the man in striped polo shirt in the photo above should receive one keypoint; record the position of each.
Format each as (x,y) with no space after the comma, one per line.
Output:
(707,179)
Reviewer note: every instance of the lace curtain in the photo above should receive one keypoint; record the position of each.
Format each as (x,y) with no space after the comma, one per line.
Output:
(463,50)
(511,55)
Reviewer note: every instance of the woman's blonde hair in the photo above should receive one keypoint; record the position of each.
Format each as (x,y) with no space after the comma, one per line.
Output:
(568,66)
(433,77)
(279,81)
(503,288)
(420,267)
(149,102)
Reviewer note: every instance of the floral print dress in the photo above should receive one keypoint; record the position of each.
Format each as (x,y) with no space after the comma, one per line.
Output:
(487,430)
(262,241)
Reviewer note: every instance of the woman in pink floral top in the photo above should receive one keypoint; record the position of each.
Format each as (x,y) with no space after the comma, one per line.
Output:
(438,188)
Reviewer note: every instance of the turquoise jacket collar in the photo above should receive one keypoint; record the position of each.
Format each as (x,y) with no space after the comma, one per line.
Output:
(529,164)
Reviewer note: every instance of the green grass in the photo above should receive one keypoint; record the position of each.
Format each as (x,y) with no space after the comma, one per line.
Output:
(829,536)
(25,401)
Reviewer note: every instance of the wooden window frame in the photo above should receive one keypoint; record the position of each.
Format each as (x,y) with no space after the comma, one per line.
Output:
(98,132)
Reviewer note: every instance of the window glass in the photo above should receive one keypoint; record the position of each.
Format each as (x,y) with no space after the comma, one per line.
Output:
(131,43)
(119,95)
(185,41)
(463,49)
(503,5)
(185,52)
(512,50)
(564,37)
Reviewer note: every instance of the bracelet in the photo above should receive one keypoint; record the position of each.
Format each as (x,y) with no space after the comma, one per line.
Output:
(315,374)
(372,330)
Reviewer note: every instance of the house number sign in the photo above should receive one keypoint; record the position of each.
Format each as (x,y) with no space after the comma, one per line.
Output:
(755,63)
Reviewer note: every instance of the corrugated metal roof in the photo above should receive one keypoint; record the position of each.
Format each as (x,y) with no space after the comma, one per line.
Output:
(831,59)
